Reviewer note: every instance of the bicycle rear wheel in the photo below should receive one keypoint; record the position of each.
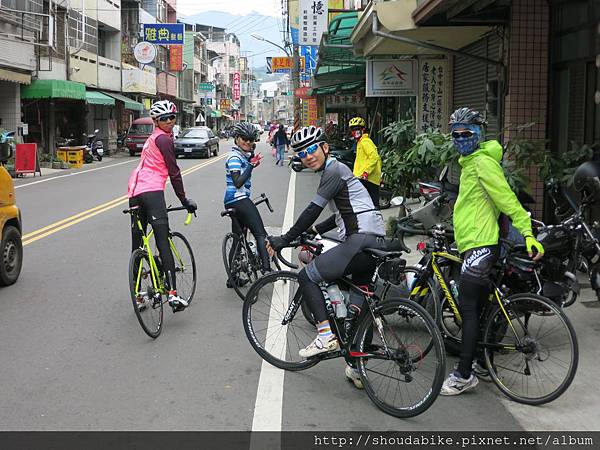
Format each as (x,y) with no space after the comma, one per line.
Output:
(532,356)
(239,264)
(406,377)
(185,266)
(147,301)
(266,306)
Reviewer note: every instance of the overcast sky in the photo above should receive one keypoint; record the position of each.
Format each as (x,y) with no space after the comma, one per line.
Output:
(241,7)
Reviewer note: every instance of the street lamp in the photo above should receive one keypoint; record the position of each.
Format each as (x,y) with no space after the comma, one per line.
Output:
(258,37)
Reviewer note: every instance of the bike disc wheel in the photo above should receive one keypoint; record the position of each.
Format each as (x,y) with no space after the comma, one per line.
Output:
(265,307)
(407,378)
(143,291)
(542,366)
(185,266)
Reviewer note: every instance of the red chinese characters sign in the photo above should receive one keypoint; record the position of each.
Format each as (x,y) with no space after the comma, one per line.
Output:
(26,158)
(236,87)
(176,58)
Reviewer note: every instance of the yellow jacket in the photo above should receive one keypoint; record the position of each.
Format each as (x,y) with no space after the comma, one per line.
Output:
(367,160)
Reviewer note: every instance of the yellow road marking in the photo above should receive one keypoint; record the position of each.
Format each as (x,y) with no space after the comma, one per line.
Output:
(80,217)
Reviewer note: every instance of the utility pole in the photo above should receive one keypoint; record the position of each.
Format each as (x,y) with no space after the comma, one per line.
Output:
(296,85)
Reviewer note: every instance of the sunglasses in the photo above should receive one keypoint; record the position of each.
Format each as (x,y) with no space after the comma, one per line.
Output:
(165,118)
(462,134)
(308,150)
(246,139)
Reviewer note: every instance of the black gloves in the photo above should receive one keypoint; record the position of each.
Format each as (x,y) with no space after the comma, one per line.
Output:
(190,205)
(278,242)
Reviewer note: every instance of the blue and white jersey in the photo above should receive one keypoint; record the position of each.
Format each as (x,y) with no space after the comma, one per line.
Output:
(236,161)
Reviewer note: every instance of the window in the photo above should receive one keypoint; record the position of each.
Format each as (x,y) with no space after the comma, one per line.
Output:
(195,133)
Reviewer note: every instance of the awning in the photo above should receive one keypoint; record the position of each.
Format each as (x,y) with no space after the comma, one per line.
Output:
(53,89)
(15,77)
(335,52)
(215,114)
(338,88)
(98,98)
(129,103)
(396,18)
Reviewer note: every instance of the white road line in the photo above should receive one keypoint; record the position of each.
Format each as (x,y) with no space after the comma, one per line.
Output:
(75,173)
(269,397)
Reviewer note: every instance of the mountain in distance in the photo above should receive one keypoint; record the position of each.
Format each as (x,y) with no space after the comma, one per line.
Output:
(267,26)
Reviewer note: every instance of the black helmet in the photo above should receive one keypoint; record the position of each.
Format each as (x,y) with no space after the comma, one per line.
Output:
(306,136)
(245,130)
(587,180)
(467,116)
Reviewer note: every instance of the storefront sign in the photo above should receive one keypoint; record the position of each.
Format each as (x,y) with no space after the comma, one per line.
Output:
(225,104)
(432,111)
(391,78)
(345,101)
(309,112)
(26,160)
(302,92)
(176,58)
(310,53)
(163,33)
(236,87)
(144,52)
(284,64)
(313,21)
(138,80)
(206,87)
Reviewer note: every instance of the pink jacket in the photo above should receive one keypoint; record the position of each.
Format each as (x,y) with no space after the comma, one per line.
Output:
(151,173)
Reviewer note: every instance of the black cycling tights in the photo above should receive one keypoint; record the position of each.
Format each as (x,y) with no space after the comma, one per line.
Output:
(153,210)
(472,297)
(247,214)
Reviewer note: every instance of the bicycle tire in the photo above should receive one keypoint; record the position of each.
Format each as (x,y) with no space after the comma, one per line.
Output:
(150,317)
(185,265)
(523,309)
(259,308)
(424,370)
(430,302)
(239,270)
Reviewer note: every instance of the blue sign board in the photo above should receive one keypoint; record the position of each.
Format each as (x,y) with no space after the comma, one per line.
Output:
(311,55)
(163,33)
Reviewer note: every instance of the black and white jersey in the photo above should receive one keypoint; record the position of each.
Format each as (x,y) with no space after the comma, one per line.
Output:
(349,200)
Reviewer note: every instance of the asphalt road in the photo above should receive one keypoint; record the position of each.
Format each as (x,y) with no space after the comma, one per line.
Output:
(75,358)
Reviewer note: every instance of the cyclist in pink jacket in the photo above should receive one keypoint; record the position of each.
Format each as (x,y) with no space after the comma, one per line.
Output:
(147,191)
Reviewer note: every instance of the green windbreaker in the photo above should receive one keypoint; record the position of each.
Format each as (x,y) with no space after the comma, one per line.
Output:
(484,193)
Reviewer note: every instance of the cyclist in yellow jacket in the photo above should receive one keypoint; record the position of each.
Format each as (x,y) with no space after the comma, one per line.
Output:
(367,166)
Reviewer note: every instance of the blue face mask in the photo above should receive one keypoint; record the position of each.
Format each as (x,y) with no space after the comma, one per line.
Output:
(466,143)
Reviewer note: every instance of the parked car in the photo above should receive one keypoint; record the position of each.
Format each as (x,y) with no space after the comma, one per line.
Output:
(197,141)
(138,132)
(11,247)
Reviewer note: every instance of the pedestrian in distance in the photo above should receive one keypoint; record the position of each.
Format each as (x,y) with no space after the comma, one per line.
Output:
(367,165)
(281,141)
(483,195)
(146,190)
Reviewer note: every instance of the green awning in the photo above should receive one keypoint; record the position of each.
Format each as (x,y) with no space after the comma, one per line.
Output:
(340,88)
(98,98)
(335,59)
(129,103)
(53,89)
(215,113)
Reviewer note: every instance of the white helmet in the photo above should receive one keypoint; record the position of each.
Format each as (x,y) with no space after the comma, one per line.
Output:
(306,136)
(162,108)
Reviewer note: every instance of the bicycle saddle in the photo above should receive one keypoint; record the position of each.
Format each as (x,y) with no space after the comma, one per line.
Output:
(228,212)
(382,254)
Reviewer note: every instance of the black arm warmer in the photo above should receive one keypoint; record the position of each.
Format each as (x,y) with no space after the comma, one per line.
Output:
(306,219)
(327,225)
(240,178)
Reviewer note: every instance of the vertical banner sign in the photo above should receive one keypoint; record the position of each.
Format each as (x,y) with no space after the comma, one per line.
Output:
(313,21)
(432,101)
(176,58)
(294,17)
(236,87)
(309,111)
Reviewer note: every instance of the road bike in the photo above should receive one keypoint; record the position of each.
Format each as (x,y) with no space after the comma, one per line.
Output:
(240,253)
(395,345)
(147,281)
(527,343)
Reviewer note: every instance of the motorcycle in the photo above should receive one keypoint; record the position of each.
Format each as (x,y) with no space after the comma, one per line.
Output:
(121,141)
(94,147)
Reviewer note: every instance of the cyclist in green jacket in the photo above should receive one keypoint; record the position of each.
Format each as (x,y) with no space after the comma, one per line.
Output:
(483,194)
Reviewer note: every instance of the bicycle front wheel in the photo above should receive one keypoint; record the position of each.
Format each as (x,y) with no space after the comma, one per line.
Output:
(239,264)
(185,266)
(147,301)
(406,376)
(531,351)
(273,323)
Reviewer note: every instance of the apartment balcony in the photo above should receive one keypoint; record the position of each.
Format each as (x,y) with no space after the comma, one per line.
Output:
(109,74)
(109,12)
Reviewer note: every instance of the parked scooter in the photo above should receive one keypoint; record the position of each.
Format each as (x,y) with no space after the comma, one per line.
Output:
(94,148)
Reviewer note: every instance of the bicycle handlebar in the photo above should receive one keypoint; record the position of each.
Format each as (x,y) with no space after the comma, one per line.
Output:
(188,218)
(303,240)
(263,199)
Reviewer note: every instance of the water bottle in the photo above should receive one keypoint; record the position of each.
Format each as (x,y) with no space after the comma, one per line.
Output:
(337,300)
(454,289)
(410,281)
